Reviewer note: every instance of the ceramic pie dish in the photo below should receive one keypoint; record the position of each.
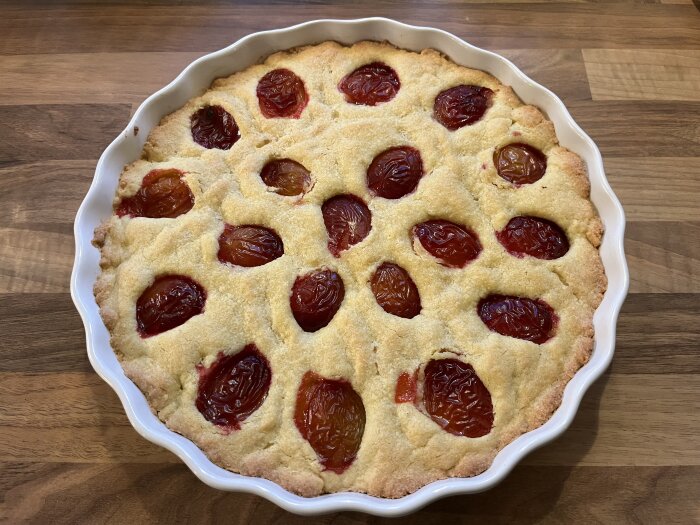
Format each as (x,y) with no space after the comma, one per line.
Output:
(237,57)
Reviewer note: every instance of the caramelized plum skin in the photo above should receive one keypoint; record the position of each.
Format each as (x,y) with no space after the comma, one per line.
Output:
(288,177)
(163,195)
(249,245)
(452,244)
(315,299)
(214,128)
(395,291)
(395,172)
(330,415)
(406,388)
(456,399)
(348,221)
(520,163)
(535,237)
(233,387)
(370,84)
(281,94)
(461,106)
(169,302)
(519,317)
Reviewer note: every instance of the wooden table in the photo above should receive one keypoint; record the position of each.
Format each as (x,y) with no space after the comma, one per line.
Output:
(70,76)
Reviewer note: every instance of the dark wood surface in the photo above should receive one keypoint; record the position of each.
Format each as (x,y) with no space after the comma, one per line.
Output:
(72,73)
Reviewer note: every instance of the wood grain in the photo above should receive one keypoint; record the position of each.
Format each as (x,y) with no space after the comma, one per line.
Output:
(643,128)
(44,195)
(626,74)
(72,72)
(664,258)
(108,29)
(658,334)
(58,131)
(39,262)
(656,188)
(70,78)
(169,493)
(41,333)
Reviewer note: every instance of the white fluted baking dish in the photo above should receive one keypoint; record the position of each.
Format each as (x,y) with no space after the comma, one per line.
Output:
(197,77)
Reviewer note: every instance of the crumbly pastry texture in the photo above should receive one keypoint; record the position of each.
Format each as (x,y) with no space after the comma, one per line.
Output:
(402,449)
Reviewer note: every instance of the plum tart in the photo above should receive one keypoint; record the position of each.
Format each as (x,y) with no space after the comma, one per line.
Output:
(352,269)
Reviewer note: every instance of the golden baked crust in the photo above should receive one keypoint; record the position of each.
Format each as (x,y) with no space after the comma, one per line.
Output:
(402,449)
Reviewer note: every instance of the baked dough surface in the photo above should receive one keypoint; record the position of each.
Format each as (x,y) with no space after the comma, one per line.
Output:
(402,449)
